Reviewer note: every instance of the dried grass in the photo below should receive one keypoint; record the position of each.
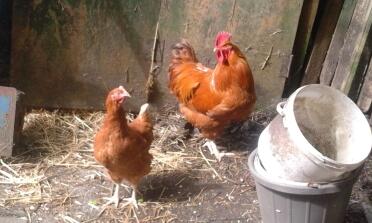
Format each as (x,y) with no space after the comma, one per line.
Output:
(64,140)
(53,139)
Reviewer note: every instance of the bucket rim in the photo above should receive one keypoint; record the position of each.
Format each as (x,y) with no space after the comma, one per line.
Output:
(286,187)
(309,150)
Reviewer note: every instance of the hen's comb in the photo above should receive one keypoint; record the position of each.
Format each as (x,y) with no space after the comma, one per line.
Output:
(222,37)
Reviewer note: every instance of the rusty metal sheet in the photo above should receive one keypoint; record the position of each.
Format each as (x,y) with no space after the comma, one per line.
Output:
(68,53)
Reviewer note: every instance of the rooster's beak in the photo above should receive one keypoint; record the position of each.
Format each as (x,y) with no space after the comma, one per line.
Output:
(214,50)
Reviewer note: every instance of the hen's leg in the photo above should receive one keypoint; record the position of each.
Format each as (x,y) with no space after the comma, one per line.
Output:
(132,200)
(111,200)
(115,197)
(213,149)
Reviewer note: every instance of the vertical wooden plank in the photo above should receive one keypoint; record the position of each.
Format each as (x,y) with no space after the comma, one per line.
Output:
(353,47)
(331,60)
(308,13)
(322,40)
(365,96)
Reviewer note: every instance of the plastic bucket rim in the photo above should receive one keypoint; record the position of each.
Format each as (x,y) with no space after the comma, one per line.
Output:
(284,187)
(308,149)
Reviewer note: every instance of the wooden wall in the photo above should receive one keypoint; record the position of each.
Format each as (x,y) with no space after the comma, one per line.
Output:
(68,53)
(339,51)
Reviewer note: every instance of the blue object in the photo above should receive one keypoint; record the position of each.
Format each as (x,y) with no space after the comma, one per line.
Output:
(4,110)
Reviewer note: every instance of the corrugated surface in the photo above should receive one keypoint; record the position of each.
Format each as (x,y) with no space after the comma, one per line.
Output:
(74,50)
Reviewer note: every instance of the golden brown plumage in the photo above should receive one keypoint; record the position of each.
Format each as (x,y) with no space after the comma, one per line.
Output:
(211,99)
(221,95)
(122,147)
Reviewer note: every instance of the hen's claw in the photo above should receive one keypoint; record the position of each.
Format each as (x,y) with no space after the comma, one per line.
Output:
(114,199)
(131,200)
(213,149)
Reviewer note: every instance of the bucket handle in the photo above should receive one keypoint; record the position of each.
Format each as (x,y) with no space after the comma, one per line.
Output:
(280,108)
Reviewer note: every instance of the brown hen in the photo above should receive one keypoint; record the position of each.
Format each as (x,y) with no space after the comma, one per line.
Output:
(122,147)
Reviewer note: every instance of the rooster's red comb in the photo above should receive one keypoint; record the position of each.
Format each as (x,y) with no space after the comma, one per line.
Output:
(222,37)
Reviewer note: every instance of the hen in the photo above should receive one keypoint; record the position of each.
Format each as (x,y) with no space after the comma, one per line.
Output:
(211,99)
(122,147)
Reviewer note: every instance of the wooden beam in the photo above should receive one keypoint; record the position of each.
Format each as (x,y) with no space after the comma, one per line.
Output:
(301,45)
(365,96)
(322,40)
(333,54)
(355,41)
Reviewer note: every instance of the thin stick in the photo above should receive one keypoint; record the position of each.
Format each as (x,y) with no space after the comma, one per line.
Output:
(69,219)
(153,68)
(8,175)
(135,215)
(215,172)
(83,123)
(267,58)
(8,167)
(233,13)
(28,216)
(162,192)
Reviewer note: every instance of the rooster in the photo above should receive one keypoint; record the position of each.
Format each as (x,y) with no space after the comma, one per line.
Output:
(212,99)
(122,147)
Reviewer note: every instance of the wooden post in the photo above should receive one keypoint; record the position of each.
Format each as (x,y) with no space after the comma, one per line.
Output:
(322,41)
(355,41)
(333,54)
(365,96)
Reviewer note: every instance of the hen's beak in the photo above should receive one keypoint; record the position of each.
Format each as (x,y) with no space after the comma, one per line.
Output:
(124,93)
(214,50)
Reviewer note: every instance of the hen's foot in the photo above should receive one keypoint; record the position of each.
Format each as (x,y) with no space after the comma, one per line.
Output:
(213,149)
(115,197)
(131,200)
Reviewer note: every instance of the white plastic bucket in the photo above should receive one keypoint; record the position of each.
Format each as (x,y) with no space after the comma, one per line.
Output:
(320,135)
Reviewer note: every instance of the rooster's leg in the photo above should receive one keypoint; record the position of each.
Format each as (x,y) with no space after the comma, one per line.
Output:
(115,197)
(213,149)
(132,200)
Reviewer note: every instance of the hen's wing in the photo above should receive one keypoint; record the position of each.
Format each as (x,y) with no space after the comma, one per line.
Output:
(185,73)
(235,98)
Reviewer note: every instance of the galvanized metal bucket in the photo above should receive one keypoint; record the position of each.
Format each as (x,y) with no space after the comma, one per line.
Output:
(283,201)
(320,135)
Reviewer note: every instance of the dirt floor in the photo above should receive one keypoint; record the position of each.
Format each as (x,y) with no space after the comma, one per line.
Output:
(54,177)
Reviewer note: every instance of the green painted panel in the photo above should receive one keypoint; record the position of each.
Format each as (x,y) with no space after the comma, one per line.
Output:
(256,26)
(67,53)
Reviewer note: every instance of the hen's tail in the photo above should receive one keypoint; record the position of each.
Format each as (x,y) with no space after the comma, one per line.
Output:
(182,52)
(143,123)
(144,114)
